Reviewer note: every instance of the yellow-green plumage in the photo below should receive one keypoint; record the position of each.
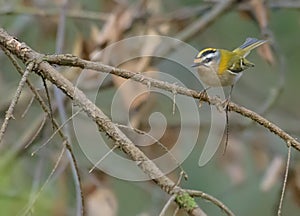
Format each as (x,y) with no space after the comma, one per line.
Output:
(237,62)
(227,58)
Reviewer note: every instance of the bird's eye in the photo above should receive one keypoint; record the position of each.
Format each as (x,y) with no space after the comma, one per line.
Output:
(207,60)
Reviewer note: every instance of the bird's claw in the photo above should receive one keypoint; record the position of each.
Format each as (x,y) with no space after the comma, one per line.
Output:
(202,94)
(225,103)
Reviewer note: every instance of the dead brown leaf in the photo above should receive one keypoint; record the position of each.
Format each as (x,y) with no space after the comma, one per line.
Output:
(101,202)
(134,94)
(266,52)
(233,162)
(118,22)
(258,11)
(130,89)
(273,173)
(293,182)
(260,153)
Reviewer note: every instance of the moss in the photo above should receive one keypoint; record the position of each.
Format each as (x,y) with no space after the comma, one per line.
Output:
(186,201)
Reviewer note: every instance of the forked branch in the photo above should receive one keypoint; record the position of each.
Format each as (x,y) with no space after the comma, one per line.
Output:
(43,68)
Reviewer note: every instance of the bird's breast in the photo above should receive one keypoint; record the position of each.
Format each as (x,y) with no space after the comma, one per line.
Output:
(212,78)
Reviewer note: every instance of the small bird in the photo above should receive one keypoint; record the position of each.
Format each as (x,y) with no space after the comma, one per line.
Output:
(220,67)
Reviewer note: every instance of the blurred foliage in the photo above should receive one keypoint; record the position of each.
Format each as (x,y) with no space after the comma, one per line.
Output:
(235,178)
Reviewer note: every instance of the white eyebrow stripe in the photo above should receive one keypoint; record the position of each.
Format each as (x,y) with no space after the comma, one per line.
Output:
(210,55)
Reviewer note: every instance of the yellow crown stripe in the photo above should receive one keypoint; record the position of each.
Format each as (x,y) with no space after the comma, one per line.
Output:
(204,51)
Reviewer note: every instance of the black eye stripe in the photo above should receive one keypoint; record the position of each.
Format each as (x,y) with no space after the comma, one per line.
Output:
(208,52)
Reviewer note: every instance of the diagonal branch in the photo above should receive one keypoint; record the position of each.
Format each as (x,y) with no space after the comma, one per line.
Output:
(26,54)
(48,111)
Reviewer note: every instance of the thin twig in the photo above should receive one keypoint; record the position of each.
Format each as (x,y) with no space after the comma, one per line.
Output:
(78,14)
(47,110)
(176,211)
(274,5)
(166,206)
(284,181)
(37,177)
(28,107)
(59,98)
(222,206)
(34,199)
(37,132)
(55,132)
(277,91)
(9,112)
(284,4)
(159,143)
(48,100)
(226,129)
(200,24)
(102,121)
(104,156)
(197,26)
(181,174)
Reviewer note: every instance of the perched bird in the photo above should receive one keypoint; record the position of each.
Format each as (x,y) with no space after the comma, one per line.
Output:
(220,67)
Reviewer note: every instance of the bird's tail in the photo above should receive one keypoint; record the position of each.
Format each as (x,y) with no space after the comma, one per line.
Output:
(248,45)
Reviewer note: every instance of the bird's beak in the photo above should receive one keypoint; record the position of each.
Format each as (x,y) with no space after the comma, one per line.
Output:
(196,64)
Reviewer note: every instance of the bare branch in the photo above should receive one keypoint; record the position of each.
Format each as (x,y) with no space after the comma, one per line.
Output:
(198,25)
(59,98)
(104,156)
(212,199)
(28,107)
(78,14)
(37,131)
(9,112)
(55,132)
(182,172)
(32,202)
(54,122)
(285,180)
(166,206)
(25,53)
(201,23)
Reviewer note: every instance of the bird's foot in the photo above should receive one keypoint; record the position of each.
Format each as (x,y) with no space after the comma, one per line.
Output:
(202,94)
